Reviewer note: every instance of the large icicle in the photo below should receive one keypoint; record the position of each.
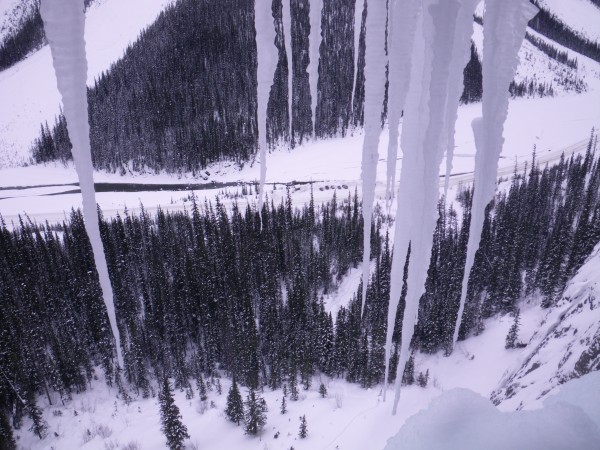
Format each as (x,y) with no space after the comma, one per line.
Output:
(64,24)
(316,9)
(460,53)
(287,38)
(359,7)
(266,55)
(423,139)
(403,22)
(503,32)
(375,61)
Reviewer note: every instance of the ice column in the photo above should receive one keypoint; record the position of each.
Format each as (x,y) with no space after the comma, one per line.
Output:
(64,23)
(375,61)
(358,13)
(503,32)
(266,55)
(423,144)
(316,8)
(460,53)
(287,37)
(403,22)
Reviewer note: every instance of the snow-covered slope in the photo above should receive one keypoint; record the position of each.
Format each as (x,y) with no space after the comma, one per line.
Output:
(28,89)
(565,344)
(460,419)
(538,67)
(581,16)
(12,14)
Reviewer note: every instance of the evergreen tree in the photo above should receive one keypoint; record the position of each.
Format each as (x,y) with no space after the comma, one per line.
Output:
(283,408)
(409,371)
(513,332)
(322,390)
(255,415)
(303,428)
(172,427)
(39,426)
(235,406)
(201,388)
(7,440)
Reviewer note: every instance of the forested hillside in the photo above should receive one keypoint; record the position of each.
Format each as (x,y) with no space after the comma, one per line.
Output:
(184,95)
(213,290)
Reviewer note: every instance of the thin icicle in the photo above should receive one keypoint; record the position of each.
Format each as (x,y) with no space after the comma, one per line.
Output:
(316,9)
(375,61)
(64,24)
(266,55)
(503,32)
(460,53)
(287,38)
(407,199)
(423,142)
(403,22)
(358,13)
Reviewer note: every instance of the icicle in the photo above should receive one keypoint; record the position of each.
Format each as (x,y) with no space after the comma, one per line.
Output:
(64,23)
(358,13)
(403,22)
(423,139)
(266,55)
(374,93)
(287,38)
(460,54)
(503,32)
(316,8)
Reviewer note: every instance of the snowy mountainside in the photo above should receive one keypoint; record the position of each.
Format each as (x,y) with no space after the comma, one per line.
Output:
(538,67)
(12,15)
(580,15)
(564,345)
(28,89)
(25,110)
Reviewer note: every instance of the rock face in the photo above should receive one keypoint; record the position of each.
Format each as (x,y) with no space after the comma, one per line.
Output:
(566,345)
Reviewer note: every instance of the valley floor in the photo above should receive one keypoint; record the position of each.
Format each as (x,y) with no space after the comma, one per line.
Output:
(350,417)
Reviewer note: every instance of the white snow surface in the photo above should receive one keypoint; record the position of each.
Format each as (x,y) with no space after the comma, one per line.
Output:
(28,89)
(64,23)
(461,419)
(375,62)
(504,29)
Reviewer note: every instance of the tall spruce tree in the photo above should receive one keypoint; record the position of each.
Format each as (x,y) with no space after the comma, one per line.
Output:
(255,416)
(172,427)
(235,406)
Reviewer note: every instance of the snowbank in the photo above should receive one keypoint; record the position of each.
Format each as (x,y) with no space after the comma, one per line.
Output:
(462,419)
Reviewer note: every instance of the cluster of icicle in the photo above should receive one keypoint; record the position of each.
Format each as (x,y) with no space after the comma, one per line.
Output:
(64,23)
(429,48)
